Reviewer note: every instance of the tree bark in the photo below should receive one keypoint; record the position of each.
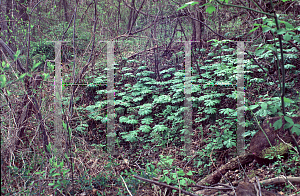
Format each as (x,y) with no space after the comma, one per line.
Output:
(66,10)
(198,27)
(22,7)
(3,24)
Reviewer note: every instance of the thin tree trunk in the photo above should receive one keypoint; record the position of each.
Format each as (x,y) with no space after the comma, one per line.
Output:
(66,10)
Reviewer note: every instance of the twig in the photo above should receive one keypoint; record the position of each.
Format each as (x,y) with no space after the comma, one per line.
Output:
(164,184)
(227,187)
(288,144)
(281,179)
(258,185)
(190,160)
(178,182)
(126,186)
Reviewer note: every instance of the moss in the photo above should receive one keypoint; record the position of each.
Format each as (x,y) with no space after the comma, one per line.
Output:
(271,152)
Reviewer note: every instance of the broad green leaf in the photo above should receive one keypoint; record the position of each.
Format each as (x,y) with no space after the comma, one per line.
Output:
(182,182)
(66,156)
(287,37)
(227,111)
(64,125)
(46,75)
(289,66)
(266,29)
(148,120)
(210,9)
(51,170)
(287,126)
(165,171)
(160,128)
(168,180)
(56,174)
(22,76)
(132,121)
(40,172)
(51,184)
(210,110)
(297,38)
(259,52)
(254,29)
(289,120)
(145,128)
(61,164)
(123,119)
(296,129)
(278,124)
(137,99)
(145,110)
(2,80)
(287,25)
(252,107)
(287,100)
(264,105)
(297,125)
(162,99)
(281,31)
(180,173)
(35,65)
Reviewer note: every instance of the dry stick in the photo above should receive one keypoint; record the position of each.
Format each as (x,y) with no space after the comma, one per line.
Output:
(190,160)
(288,144)
(256,189)
(178,182)
(289,6)
(258,185)
(281,179)
(126,186)
(258,5)
(215,187)
(164,184)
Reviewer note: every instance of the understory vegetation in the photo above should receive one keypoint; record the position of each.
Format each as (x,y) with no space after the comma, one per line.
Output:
(150,77)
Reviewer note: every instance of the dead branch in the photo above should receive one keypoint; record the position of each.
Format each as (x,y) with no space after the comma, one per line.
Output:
(163,184)
(234,163)
(281,179)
